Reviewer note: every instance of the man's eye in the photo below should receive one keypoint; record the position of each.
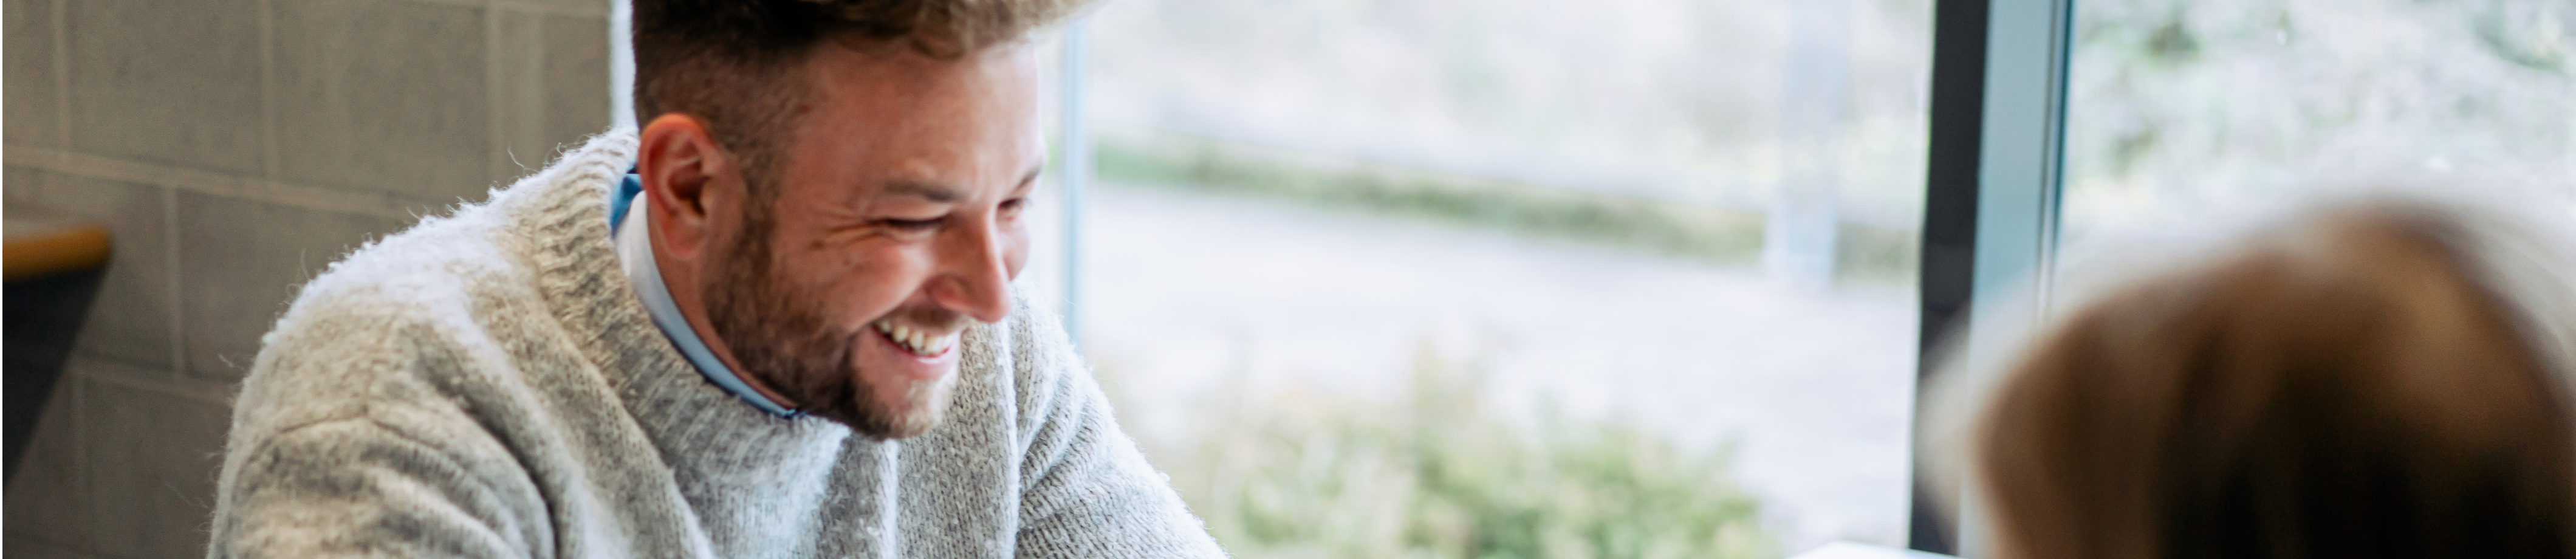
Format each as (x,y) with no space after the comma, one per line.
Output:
(1012,206)
(911,224)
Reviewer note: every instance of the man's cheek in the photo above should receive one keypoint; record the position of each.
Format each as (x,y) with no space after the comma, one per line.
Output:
(881,279)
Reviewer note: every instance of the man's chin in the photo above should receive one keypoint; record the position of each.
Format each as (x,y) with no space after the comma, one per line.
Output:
(898,409)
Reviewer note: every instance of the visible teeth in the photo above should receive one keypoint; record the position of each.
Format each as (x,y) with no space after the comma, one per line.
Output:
(915,341)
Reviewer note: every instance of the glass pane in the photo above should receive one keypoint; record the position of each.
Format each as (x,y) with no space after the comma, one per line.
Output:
(2180,111)
(1452,278)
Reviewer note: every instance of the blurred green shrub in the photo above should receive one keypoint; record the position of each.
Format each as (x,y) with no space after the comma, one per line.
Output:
(1445,475)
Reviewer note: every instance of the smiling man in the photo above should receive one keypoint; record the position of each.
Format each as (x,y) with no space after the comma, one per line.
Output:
(776,321)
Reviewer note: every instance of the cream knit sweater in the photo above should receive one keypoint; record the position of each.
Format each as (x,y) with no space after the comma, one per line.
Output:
(487,385)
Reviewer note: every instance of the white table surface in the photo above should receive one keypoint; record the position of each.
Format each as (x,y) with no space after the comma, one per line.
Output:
(1848,550)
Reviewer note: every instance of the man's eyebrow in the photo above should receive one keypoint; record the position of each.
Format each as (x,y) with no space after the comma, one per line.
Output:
(940,193)
(1030,177)
(935,192)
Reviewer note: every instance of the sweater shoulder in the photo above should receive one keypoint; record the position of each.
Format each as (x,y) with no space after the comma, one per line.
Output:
(439,262)
(478,252)
(439,280)
(480,264)
(392,322)
(431,317)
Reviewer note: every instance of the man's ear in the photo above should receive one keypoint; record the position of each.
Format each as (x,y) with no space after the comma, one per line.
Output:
(689,179)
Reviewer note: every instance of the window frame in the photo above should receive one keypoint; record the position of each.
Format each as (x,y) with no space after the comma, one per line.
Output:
(1994,175)
(1077,167)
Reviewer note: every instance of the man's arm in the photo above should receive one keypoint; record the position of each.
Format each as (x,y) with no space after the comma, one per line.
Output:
(340,446)
(355,487)
(1088,490)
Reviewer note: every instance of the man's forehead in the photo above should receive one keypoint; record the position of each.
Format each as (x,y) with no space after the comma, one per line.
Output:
(912,123)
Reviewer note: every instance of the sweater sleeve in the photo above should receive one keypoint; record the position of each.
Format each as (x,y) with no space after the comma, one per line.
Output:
(1088,491)
(355,488)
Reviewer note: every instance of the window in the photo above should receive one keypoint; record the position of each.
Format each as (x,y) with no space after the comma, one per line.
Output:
(1386,277)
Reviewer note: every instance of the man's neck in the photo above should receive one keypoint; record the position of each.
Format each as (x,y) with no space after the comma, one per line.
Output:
(669,292)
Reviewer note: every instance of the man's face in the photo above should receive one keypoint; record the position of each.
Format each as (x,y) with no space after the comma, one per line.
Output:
(895,223)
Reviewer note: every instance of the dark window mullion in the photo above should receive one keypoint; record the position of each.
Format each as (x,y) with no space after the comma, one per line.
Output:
(1991,190)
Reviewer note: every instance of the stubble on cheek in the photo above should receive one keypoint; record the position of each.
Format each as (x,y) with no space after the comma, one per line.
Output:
(776,328)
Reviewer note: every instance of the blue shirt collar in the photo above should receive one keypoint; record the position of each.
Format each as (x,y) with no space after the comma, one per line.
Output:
(635,253)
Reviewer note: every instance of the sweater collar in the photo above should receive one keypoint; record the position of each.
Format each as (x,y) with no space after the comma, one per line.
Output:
(559,217)
(635,253)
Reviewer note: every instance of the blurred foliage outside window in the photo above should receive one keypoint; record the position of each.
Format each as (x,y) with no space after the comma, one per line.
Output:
(1649,124)
(1441,473)
(2182,110)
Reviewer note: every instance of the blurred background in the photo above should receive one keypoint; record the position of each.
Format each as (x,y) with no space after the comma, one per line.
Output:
(1451,278)
(2183,113)
(1368,278)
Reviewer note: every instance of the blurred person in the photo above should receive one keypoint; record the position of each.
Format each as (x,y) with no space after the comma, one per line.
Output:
(2385,377)
(776,321)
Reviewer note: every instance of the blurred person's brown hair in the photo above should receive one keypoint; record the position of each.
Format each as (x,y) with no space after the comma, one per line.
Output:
(729,62)
(2383,378)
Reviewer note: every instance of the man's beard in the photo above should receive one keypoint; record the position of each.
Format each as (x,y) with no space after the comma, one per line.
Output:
(777,331)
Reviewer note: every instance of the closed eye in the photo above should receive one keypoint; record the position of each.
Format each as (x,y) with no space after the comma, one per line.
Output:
(911,225)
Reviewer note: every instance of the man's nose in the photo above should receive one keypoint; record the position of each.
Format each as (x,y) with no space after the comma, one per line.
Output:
(974,280)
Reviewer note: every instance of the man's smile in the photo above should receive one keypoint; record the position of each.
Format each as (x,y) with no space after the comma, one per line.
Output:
(916,341)
(917,353)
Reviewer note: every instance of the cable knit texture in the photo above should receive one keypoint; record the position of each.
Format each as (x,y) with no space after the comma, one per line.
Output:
(487,385)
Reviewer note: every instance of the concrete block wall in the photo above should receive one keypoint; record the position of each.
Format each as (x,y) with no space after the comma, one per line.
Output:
(234,148)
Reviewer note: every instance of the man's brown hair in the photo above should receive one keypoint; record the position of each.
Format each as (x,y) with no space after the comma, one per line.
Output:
(729,62)
(2383,379)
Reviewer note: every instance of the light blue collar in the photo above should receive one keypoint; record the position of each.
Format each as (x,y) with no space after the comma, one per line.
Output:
(635,252)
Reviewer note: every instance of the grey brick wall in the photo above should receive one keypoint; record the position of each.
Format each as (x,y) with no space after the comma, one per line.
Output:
(234,148)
